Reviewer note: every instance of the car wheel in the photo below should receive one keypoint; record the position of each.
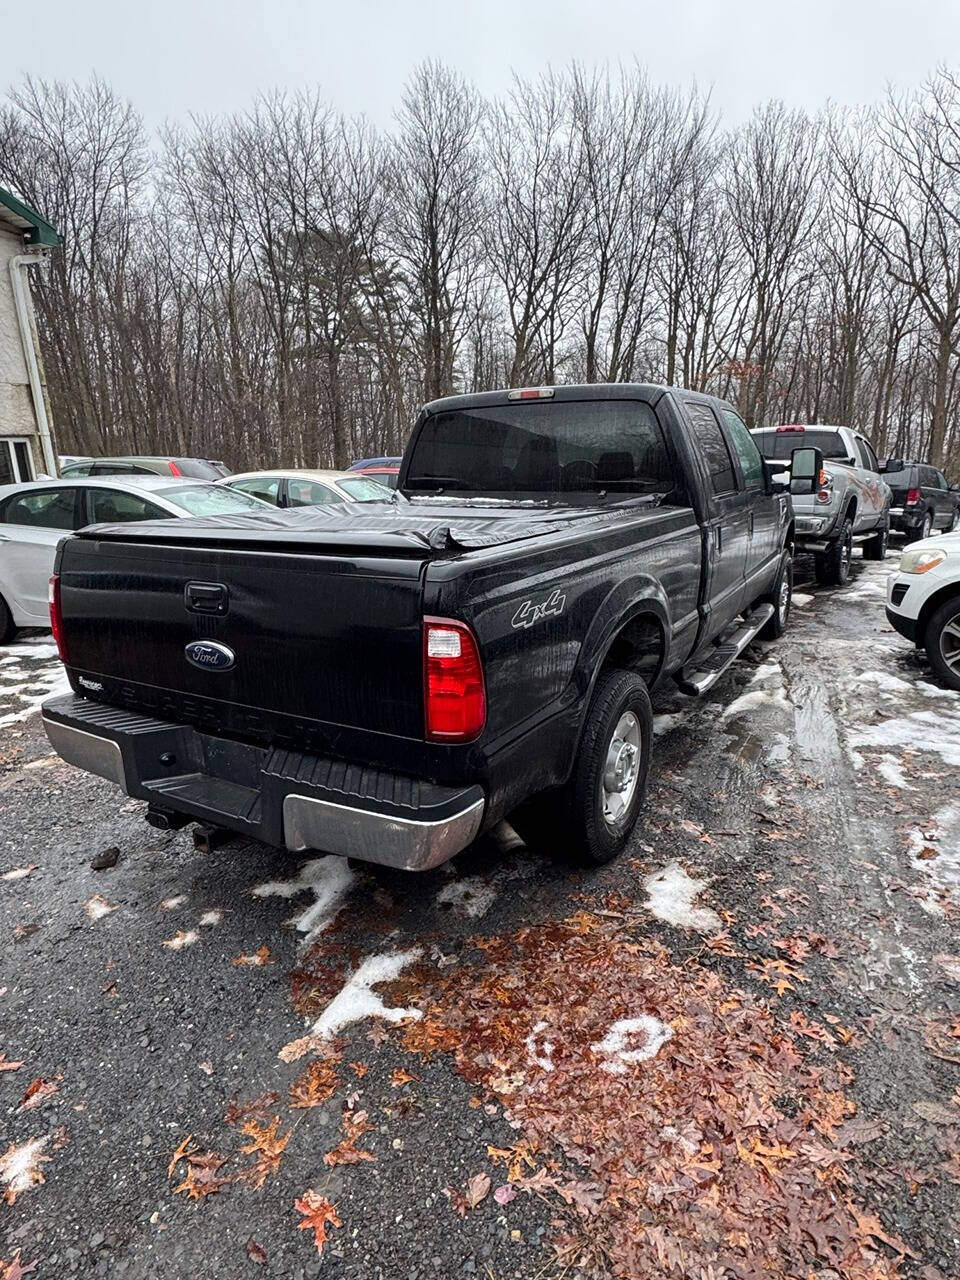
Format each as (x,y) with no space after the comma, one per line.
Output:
(942,642)
(875,548)
(592,817)
(8,628)
(832,566)
(781,597)
(927,527)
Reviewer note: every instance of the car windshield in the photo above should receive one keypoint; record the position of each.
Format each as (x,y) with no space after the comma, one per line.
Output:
(778,445)
(212,500)
(363,489)
(552,447)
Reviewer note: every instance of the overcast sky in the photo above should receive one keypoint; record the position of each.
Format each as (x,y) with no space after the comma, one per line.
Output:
(177,57)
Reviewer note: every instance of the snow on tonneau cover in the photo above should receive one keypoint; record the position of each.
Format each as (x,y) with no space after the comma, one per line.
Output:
(322,607)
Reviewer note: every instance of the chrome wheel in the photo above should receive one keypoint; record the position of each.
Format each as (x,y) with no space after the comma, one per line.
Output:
(621,769)
(950,644)
(927,528)
(846,555)
(783,598)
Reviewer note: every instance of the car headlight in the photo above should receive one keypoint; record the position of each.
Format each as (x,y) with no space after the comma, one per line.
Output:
(922,561)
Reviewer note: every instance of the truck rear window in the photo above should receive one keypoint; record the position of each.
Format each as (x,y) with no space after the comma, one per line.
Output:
(778,445)
(554,447)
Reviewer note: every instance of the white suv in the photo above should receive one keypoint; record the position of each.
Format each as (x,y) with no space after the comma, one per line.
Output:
(923,602)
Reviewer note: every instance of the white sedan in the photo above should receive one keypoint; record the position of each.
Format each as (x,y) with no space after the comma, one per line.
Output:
(34,517)
(302,488)
(923,602)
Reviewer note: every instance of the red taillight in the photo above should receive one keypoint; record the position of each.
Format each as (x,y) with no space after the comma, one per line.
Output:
(56,619)
(791,429)
(530,393)
(174,469)
(914,495)
(454,698)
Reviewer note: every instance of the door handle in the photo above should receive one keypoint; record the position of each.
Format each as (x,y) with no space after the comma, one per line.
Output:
(718,538)
(752,520)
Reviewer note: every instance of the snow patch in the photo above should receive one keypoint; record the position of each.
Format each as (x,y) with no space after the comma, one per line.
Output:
(19,1167)
(938,732)
(752,701)
(97,907)
(666,723)
(540,1050)
(51,683)
(328,878)
(800,599)
(670,897)
(942,835)
(470,897)
(356,999)
(764,670)
(891,770)
(613,1046)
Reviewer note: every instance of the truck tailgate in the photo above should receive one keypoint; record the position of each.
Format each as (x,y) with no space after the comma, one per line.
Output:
(320,641)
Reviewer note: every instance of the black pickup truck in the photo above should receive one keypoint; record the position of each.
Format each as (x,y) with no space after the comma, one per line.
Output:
(385,681)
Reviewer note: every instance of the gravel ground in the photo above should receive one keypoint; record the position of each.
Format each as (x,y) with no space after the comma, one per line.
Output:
(811,796)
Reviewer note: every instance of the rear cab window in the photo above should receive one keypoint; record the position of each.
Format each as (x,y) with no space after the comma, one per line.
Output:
(566,449)
(113,506)
(777,445)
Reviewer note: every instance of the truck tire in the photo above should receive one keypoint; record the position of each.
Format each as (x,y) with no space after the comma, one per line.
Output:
(941,639)
(926,529)
(875,548)
(591,818)
(832,567)
(780,597)
(7,627)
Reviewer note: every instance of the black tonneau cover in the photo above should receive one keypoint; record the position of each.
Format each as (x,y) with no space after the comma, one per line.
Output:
(416,527)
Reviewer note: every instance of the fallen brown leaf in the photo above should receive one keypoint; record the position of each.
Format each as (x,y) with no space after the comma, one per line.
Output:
(317,1214)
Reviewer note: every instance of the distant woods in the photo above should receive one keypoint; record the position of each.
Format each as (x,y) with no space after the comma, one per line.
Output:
(288,286)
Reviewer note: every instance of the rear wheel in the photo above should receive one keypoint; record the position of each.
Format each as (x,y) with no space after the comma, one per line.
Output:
(832,566)
(592,817)
(7,627)
(927,527)
(875,548)
(942,642)
(780,597)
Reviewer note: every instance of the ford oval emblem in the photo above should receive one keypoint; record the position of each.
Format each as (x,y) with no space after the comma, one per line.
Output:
(208,655)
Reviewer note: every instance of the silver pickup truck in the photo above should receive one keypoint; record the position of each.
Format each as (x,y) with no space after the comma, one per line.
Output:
(852,505)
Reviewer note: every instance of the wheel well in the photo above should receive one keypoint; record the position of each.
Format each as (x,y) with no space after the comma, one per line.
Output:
(930,606)
(852,510)
(638,647)
(790,541)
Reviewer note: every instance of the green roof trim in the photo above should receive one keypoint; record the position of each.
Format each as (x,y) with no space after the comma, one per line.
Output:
(36,229)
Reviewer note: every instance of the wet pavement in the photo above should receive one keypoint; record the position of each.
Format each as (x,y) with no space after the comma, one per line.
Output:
(734,1052)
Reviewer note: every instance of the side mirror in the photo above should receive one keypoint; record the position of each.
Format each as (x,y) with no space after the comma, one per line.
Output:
(892,464)
(806,466)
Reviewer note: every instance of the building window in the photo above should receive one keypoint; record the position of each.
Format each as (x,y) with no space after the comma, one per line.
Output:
(16,464)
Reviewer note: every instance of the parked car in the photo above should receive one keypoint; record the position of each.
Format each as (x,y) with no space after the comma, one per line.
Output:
(923,602)
(852,505)
(361,464)
(386,682)
(191,468)
(299,488)
(385,470)
(923,502)
(34,517)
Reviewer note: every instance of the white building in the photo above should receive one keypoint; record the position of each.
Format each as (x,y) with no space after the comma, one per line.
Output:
(26,441)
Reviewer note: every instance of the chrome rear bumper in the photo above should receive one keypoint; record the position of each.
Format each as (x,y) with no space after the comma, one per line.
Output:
(282,797)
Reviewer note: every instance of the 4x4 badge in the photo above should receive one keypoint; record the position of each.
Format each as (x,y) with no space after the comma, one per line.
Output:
(529,613)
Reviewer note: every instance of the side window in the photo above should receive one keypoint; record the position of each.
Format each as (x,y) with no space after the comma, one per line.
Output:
(76,469)
(723,478)
(928,477)
(751,464)
(43,509)
(108,468)
(260,487)
(307,493)
(868,459)
(941,480)
(112,506)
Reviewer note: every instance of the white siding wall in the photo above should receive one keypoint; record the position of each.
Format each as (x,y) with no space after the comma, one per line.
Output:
(16,404)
